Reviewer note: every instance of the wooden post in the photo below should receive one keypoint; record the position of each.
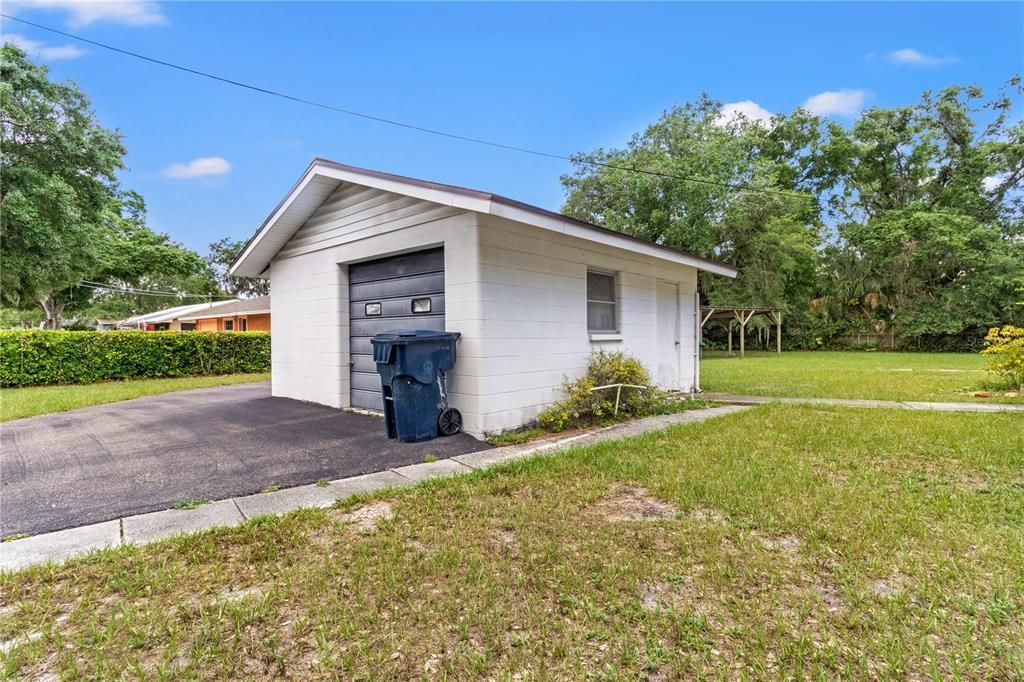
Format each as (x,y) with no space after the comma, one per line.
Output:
(730,337)
(778,332)
(743,339)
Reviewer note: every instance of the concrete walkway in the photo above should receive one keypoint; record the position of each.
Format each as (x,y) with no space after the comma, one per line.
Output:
(734,399)
(144,528)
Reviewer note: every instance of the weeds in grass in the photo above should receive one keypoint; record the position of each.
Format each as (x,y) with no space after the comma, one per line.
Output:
(272,488)
(13,536)
(517,437)
(428,458)
(322,483)
(191,504)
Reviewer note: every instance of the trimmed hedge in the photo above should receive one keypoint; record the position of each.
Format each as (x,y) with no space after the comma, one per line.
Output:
(36,357)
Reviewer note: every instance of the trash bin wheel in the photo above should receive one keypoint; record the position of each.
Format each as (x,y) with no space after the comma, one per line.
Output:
(449,422)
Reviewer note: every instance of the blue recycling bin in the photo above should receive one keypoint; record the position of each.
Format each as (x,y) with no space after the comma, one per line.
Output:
(412,365)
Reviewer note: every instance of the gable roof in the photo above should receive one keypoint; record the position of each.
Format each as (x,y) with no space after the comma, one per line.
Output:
(257,305)
(322,177)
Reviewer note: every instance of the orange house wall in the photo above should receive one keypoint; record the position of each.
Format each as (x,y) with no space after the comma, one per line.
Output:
(255,323)
(259,323)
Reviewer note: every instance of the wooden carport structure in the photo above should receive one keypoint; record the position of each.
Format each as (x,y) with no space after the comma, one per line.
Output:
(742,315)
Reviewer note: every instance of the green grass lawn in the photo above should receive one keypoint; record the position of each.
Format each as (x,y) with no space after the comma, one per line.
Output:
(781,542)
(933,377)
(16,403)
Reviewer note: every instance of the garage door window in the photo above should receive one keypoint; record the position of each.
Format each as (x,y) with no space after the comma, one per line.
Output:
(601,306)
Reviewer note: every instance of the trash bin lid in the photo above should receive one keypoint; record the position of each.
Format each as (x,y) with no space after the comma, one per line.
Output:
(404,336)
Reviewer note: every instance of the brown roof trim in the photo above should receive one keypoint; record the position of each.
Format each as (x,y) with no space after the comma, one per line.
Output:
(475,194)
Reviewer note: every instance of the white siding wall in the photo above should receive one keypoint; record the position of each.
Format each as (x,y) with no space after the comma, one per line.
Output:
(309,285)
(533,318)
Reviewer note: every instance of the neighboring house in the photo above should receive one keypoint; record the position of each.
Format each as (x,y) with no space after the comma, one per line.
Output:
(170,319)
(246,315)
(352,252)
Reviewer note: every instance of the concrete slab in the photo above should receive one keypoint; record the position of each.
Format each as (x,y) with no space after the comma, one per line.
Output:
(428,470)
(284,501)
(59,546)
(965,407)
(162,524)
(320,497)
(367,483)
(890,404)
(489,458)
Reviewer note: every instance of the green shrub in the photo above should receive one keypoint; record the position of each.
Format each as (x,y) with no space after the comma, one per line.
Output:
(36,357)
(584,407)
(1004,347)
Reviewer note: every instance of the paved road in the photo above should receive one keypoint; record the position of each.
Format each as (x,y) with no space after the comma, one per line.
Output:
(109,461)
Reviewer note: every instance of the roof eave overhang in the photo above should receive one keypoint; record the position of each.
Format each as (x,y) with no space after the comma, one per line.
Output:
(250,262)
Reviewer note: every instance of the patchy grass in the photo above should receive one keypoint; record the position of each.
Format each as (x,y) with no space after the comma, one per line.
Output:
(933,377)
(16,403)
(518,436)
(780,542)
(272,488)
(191,504)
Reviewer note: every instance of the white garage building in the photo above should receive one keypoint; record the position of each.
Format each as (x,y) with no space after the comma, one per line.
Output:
(351,252)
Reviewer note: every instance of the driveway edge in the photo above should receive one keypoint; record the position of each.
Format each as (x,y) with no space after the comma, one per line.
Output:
(142,529)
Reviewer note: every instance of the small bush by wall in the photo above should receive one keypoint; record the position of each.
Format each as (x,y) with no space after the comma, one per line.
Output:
(584,407)
(36,357)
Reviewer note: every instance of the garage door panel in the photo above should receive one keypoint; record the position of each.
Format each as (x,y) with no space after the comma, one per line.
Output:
(394,288)
(363,363)
(363,381)
(377,325)
(393,283)
(395,307)
(397,266)
(369,400)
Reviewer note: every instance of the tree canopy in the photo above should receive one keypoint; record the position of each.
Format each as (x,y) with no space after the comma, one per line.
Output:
(910,219)
(66,224)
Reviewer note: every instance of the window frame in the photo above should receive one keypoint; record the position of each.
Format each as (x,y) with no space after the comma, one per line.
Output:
(230,328)
(614,302)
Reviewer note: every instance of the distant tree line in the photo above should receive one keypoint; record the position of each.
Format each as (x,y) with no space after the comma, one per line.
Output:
(908,221)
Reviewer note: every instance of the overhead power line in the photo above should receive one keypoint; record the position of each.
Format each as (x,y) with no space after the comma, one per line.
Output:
(88,284)
(409,126)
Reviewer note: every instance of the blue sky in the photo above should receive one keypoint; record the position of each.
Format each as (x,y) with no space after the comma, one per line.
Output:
(212,161)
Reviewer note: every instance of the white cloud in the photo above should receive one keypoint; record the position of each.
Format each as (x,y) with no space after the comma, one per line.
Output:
(912,57)
(198,168)
(991,182)
(36,49)
(85,12)
(749,109)
(845,102)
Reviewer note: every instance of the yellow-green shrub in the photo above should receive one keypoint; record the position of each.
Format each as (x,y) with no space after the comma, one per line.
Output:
(36,357)
(1004,348)
(583,406)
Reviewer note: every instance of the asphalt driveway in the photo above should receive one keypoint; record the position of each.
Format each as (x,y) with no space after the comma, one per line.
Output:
(104,462)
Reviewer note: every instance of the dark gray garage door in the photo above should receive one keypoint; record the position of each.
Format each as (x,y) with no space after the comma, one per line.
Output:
(400,292)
